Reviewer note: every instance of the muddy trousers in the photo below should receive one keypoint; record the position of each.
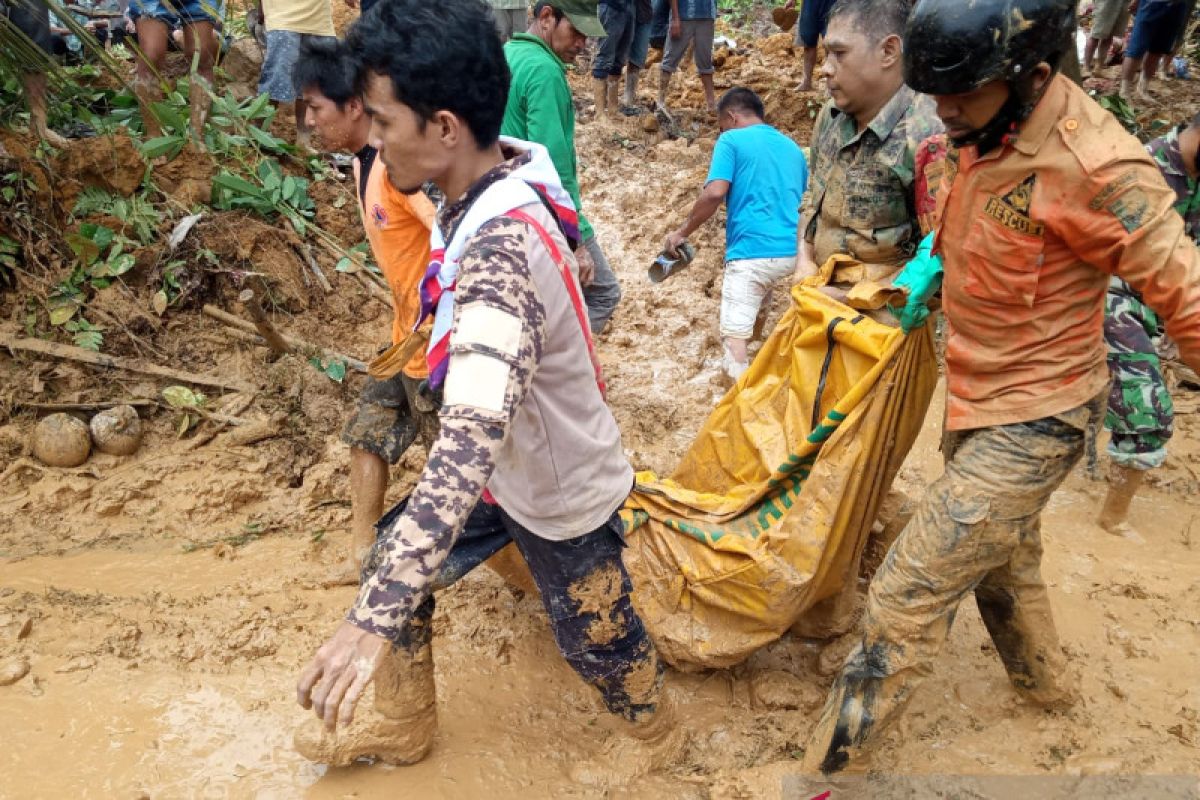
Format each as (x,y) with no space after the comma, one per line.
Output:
(586,592)
(977,530)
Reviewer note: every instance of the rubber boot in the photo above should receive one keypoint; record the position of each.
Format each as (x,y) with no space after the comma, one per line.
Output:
(600,96)
(1123,484)
(632,74)
(612,101)
(640,747)
(398,730)
(664,85)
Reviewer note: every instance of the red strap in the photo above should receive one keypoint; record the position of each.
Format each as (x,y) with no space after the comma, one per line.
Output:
(572,290)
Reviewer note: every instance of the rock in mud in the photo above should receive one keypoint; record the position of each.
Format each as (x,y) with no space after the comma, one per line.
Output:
(13,670)
(780,691)
(61,440)
(117,431)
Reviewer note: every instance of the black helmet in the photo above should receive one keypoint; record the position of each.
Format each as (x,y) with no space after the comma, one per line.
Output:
(956,46)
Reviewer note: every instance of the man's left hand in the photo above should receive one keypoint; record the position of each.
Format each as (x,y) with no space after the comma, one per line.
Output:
(335,679)
(674,239)
(587,266)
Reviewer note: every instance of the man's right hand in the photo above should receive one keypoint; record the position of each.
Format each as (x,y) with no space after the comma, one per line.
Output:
(676,28)
(805,268)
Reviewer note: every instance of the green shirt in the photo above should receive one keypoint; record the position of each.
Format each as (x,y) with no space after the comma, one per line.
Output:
(540,110)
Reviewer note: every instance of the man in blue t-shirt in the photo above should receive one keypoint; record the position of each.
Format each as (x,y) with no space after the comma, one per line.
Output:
(761,175)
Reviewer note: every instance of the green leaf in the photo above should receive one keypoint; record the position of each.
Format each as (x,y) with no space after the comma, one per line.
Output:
(121,264)
(289,189)
(256,107)
(334,368)
(103,236)
(169,116)
(86,250)
(266,140)
(8,193)
(233,183)
(61,309)
(163,146)
(182,397)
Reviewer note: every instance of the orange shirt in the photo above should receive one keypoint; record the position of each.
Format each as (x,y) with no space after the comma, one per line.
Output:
(397,227)
(1029,234)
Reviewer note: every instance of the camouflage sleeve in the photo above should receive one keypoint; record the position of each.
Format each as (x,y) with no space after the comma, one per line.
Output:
(495,346)
(815,166)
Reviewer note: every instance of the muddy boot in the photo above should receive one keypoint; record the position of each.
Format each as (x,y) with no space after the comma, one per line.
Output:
(1123,484)
(641,747)
(664,85)
(632,75)
(1016,612)
(613,100)
(600,97)
(398,730)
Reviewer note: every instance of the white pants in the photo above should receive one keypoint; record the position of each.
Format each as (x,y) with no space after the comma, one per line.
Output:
(747,282)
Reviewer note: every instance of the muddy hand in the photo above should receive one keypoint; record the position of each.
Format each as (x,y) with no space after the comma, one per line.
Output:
(671,245)
(334,680)
(587,266)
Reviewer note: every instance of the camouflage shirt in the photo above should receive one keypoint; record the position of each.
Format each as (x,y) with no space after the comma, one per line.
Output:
(517,357)
(1165,152)
(859,200)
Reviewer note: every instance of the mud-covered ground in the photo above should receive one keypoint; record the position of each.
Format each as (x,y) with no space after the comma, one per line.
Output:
(164,603)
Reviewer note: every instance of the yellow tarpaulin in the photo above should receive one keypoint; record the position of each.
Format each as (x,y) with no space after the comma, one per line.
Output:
(768,512)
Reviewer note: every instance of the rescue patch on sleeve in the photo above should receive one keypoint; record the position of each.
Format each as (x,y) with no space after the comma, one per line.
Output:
(477,381)
(494,328)
(1012,209)
(1118,184)
(1131,209)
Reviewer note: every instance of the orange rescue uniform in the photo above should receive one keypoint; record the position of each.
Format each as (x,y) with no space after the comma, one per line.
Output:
(398,227)
(1029,234)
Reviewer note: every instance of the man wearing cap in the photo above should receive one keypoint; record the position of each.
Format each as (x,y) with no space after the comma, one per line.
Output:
(540,110)
(1042,197)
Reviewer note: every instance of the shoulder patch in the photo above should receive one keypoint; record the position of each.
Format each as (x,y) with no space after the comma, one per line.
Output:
(1113,187)
(1131,208)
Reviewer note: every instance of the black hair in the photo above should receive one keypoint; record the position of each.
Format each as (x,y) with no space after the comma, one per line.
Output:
(326,66)
(877,19)
(739,98)
(440,57)
(537,10)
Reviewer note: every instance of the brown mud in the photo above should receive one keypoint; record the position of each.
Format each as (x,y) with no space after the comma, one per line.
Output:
(156,609)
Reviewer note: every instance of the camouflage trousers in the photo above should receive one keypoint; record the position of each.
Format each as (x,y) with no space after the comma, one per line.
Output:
(1140,415)
(391,415)
(976,531)
(586,593)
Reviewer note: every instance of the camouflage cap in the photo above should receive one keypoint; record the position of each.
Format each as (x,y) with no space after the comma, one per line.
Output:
(583,14)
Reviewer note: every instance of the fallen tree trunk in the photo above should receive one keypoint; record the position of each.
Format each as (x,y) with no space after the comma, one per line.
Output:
(71,353)
(299,345)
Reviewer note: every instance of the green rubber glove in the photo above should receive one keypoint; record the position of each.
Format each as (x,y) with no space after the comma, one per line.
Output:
(921,277)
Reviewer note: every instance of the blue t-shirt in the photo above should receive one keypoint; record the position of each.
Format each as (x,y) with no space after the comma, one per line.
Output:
(767,176)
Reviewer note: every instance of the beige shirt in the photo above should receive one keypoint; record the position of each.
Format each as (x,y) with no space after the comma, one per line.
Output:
(299,16)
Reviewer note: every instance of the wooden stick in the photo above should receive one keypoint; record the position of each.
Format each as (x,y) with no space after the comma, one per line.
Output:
(262,324)
(236,323)
(306,251)
(98,405)
(71,353)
